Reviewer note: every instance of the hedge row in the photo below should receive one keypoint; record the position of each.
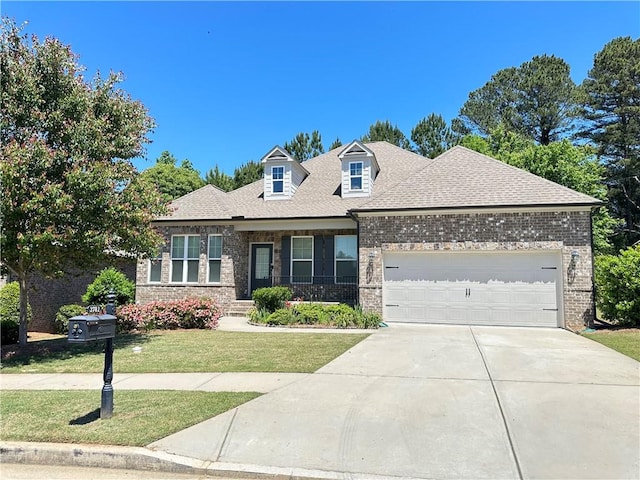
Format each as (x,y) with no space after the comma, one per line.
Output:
(187,313)
(336,316)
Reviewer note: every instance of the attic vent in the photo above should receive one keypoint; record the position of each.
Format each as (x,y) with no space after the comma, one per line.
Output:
(278,155)
(355,151)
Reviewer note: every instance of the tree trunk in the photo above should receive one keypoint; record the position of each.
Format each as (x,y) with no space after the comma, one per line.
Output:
(545,136)
(24,308)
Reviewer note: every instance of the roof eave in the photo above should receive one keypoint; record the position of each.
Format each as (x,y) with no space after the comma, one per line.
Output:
(479,207)
(250,219)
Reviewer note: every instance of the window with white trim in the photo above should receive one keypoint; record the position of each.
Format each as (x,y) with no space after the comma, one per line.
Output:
(185,256)
(215,258)
(277,179)
(355,175)
(155,268)
(346,253)
(301,259)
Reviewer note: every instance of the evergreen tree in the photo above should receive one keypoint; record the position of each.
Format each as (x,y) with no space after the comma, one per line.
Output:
(248,173)
(384,131)
(219,179)
(304,146)
(611,108)
(432,136)
(336,143)
(536,99)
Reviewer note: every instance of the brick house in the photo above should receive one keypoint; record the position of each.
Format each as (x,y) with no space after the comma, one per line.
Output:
(462,238)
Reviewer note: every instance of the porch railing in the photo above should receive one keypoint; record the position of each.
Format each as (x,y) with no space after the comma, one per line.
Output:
(321,288)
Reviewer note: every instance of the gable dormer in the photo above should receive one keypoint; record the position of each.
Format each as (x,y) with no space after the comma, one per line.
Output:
(283,174)
(359,170)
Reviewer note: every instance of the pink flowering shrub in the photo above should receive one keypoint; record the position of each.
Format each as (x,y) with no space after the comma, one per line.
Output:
(186,313)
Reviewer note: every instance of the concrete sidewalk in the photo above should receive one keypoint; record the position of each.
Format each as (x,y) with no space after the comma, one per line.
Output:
(240,324)
(206,382)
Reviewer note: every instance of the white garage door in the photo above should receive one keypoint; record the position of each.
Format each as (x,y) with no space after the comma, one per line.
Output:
(512,288)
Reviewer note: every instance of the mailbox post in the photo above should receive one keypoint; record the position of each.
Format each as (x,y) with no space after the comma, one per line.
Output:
(106,404)
(88,328)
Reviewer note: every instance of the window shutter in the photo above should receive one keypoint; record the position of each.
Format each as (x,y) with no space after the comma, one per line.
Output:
(318,247)
(329,263)
(285,260)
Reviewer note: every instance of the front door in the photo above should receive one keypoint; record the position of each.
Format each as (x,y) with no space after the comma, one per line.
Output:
(261,265)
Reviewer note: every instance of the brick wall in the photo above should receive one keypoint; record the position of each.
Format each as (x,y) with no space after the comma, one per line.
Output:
(233,268)
(234,265)
(46,295)
(561,231)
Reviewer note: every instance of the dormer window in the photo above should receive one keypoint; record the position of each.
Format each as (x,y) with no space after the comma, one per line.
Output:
(359,170)
(277,177)
(355,175)
(283,174)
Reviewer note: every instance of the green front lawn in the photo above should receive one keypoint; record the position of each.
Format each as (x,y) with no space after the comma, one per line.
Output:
(184,351)
(139,417)
(626,342)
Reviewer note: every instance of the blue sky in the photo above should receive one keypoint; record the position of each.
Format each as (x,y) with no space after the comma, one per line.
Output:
(225,82)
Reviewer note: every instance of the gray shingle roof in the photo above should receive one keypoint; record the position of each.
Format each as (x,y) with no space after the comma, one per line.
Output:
(458,178)
(208,202)
(464,178)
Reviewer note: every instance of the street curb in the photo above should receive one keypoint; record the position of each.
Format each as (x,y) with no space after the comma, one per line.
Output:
(140,458)
(98,456)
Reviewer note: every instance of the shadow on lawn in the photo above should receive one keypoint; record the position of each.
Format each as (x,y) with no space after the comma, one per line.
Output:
(61,349)
(88,418)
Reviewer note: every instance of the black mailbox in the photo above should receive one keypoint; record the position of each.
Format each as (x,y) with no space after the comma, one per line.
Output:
(86,328)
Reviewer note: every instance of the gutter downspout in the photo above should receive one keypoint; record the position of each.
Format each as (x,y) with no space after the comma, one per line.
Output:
(593,271)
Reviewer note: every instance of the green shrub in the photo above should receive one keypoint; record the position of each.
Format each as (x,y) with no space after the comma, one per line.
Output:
(271,298)
(10,313)
(368,320)
(284,316)
(65,312)
(10,303)
(8,332)
(258,316)
(618,286)
(342,315)
(107,280)
(312,314)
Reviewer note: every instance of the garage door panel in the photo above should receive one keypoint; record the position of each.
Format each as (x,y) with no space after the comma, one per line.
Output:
(472,288)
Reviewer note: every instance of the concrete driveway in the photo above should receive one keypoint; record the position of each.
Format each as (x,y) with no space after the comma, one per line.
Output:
(441,402)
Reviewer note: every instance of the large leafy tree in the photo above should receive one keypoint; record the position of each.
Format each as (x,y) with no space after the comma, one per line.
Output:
(304,146)
(611,109)
(432,136)
(536,99)
(171,180)
(384,131)
(69,194)
(575,167)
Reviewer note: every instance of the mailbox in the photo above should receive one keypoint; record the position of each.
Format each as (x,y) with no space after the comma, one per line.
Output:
(86,328)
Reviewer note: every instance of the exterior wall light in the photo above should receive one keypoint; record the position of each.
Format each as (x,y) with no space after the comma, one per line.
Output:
(571,271)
